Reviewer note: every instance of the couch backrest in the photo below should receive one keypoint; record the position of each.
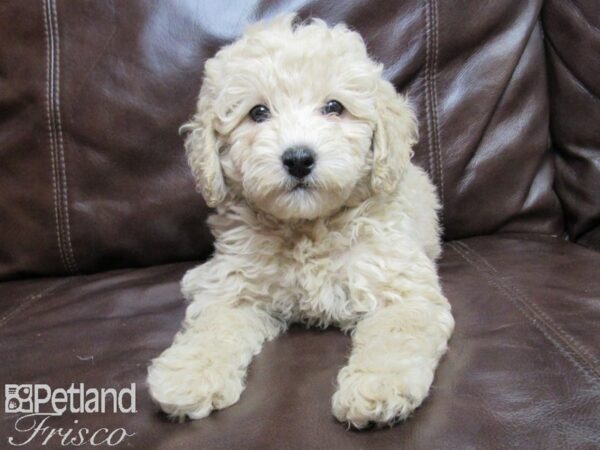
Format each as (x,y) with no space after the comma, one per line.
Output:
(573,61)
(92,172)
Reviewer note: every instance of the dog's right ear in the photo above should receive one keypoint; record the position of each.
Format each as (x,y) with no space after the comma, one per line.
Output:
(202,150)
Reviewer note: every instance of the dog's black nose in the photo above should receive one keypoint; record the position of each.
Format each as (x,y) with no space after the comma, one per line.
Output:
(299,161)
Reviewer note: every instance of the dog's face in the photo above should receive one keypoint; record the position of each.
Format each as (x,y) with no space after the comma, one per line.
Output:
(297,121)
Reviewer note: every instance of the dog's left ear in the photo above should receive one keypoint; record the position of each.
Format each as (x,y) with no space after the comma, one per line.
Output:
(394,136)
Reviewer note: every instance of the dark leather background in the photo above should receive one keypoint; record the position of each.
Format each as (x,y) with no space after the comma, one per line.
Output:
(573,55)
(93,175)
(93,184)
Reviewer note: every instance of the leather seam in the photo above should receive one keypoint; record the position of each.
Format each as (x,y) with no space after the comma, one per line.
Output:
(51,136)
(590,359)
(59,181)
(431,105)
(28,301)
(427,106)
(531,312)
(436,134)
(70,255)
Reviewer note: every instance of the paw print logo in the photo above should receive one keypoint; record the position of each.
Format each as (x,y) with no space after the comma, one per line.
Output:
(18,398)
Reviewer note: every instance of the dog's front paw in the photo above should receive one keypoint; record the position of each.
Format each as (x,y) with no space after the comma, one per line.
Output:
(366,397)
(193,388)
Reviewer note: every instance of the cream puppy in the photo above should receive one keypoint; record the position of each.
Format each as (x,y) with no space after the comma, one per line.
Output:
(321,218)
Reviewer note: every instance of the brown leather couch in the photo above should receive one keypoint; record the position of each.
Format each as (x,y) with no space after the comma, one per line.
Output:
(99,219)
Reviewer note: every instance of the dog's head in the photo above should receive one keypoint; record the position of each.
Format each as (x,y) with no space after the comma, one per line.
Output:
(297,120)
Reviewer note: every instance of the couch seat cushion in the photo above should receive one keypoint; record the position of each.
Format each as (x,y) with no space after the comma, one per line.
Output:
(522,370)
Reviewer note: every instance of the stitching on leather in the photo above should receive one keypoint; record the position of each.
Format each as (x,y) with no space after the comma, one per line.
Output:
(51,136)
(575,358)
(61,152)
(29,301)
(431,106)
(436,132)
(575,347)
(578,347)
(531,313)
(51,131)
(427,84)
(59,182)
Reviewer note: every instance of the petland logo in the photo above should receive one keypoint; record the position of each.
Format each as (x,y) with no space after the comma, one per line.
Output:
(39,403)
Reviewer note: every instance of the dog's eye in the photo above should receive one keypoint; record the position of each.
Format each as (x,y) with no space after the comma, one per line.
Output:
(333,107)
(260,113)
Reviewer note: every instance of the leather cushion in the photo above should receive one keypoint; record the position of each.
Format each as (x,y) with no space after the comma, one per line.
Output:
(522,370)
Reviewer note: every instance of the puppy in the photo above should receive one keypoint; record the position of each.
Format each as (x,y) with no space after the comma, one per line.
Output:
(304,150)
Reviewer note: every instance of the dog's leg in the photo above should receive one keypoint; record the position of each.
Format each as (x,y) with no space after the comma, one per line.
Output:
(395,352)
(205,367)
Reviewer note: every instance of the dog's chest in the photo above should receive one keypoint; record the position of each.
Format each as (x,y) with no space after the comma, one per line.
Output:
(317,275)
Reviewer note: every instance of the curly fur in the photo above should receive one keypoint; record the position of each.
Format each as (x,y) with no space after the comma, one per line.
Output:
(356,248)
